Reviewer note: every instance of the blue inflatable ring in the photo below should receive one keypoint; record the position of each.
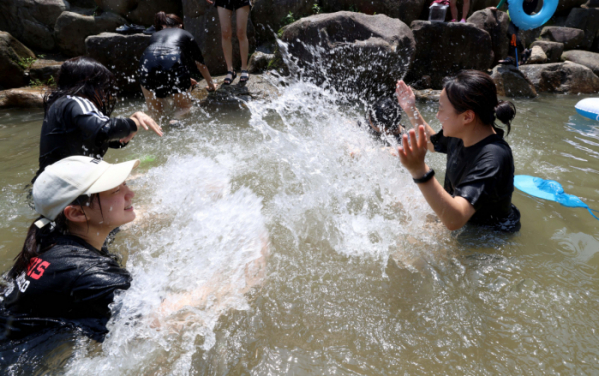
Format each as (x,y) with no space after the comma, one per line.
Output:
(525,21)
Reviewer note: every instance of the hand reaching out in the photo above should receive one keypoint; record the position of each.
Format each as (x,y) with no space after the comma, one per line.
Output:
(405,96)
(412,153)
(146,122)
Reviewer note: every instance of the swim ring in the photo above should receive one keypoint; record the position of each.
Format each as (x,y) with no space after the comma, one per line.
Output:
(526,21)
(588,108)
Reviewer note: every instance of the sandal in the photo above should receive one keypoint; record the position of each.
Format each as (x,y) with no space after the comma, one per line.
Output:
(245,76)
(228,80)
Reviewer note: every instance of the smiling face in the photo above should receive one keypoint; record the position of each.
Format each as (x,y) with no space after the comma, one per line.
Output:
(452,122)
(117,208)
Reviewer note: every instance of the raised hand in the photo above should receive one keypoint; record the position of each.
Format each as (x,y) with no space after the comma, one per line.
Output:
(146,122)
(405,96)
(412,152)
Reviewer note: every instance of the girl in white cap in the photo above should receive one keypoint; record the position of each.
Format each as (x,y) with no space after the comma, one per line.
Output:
(63,278)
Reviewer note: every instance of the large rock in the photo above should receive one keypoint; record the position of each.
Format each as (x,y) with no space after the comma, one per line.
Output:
(32,21)
(537,56)
(587,20)
(357,54)
(568,78)
(123,57)
(72,29)
(45,71)
(259,62)
(201,20)
(443,49)
(141,11)
(511,82)
(564,6)
(553,50)
(405,10)
(495,23)
(586,58)
(24,97)
(570,37)
(12,56)
(258,87)
(267,15)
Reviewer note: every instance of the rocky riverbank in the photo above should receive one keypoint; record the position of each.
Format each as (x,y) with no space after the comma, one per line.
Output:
(357,47)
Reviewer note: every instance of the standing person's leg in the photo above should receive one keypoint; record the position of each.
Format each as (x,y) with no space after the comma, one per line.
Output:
(454,10)
(224,16)
(242,15)
(465,9)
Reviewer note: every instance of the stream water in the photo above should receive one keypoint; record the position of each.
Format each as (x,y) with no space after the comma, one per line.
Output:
(277,238)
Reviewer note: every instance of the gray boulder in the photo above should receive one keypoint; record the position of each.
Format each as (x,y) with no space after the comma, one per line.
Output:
(564,6)
(123,59)
(259,62)
(567,78)
(496,24)
(586,58)
(443,49)
(553,50)
(72,28)
(570,37)
(405,10)
(358,54)
(267,15)
(23,97)
(537,56)
(12,56)
(140,11)
(586,20)
(511,82)
(201,20)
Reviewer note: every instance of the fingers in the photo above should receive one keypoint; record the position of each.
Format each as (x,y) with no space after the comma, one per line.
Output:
(413,141)
(422,141)
(149,123)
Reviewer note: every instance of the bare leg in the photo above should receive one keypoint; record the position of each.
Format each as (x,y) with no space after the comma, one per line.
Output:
(242,15)
(224,16)
(155,105)
(465,9)
(454,9)
(182,104)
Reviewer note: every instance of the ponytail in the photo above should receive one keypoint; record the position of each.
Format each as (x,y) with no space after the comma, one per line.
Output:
(505,112)
(162,19)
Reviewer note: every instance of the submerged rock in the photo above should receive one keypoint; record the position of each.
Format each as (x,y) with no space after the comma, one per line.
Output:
(443,49)
(258,87)
(553,50)
(586,20)
(123,57)
(567,78)
(495,23)
(357,54)
(24,97)
(511,82)
(13,55)
(586,58)
(72,28)
(570,37)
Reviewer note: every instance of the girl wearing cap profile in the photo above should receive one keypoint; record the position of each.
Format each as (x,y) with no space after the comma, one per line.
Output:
(479,178)
(63,278)
(77,115)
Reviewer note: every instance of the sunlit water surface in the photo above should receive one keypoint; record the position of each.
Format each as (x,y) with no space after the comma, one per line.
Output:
(278,238)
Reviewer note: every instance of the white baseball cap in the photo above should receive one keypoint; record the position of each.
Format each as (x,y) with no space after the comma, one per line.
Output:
(62,182)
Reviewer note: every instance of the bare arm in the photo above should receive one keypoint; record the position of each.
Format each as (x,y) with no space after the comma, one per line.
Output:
(454,212)
(206,74)
(407,101)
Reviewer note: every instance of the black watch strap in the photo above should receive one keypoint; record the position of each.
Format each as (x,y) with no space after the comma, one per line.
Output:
(428,176)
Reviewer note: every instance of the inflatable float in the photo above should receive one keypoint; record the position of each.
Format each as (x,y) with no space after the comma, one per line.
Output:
(549,190)
(530,21)
(588,108)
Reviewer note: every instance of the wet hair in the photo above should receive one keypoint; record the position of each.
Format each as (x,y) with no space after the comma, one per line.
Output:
(39,240)
(162,19)
(475,90)
(85,77)
(385,114)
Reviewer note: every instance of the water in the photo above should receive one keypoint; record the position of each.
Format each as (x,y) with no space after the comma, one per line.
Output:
(278,238)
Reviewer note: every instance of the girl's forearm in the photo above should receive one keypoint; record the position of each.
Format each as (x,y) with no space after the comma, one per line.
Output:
(417,120)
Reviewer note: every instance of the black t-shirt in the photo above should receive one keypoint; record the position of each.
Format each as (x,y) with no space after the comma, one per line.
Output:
(69,285)
(74,126)
(483,174)
(174,41)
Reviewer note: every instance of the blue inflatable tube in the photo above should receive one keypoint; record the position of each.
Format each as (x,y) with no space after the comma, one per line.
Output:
(588,108)
(525,21)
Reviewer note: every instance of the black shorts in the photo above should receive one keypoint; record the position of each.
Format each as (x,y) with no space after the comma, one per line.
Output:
(164,75)
(233,4)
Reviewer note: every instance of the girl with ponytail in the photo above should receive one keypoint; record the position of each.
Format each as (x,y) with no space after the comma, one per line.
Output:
(479,180)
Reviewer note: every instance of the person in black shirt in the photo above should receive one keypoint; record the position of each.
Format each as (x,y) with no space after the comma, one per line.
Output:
(167,64)
(63,278)
(479,180)
(77,121)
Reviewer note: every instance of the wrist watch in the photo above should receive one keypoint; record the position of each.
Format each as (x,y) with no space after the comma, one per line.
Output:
(428,176)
